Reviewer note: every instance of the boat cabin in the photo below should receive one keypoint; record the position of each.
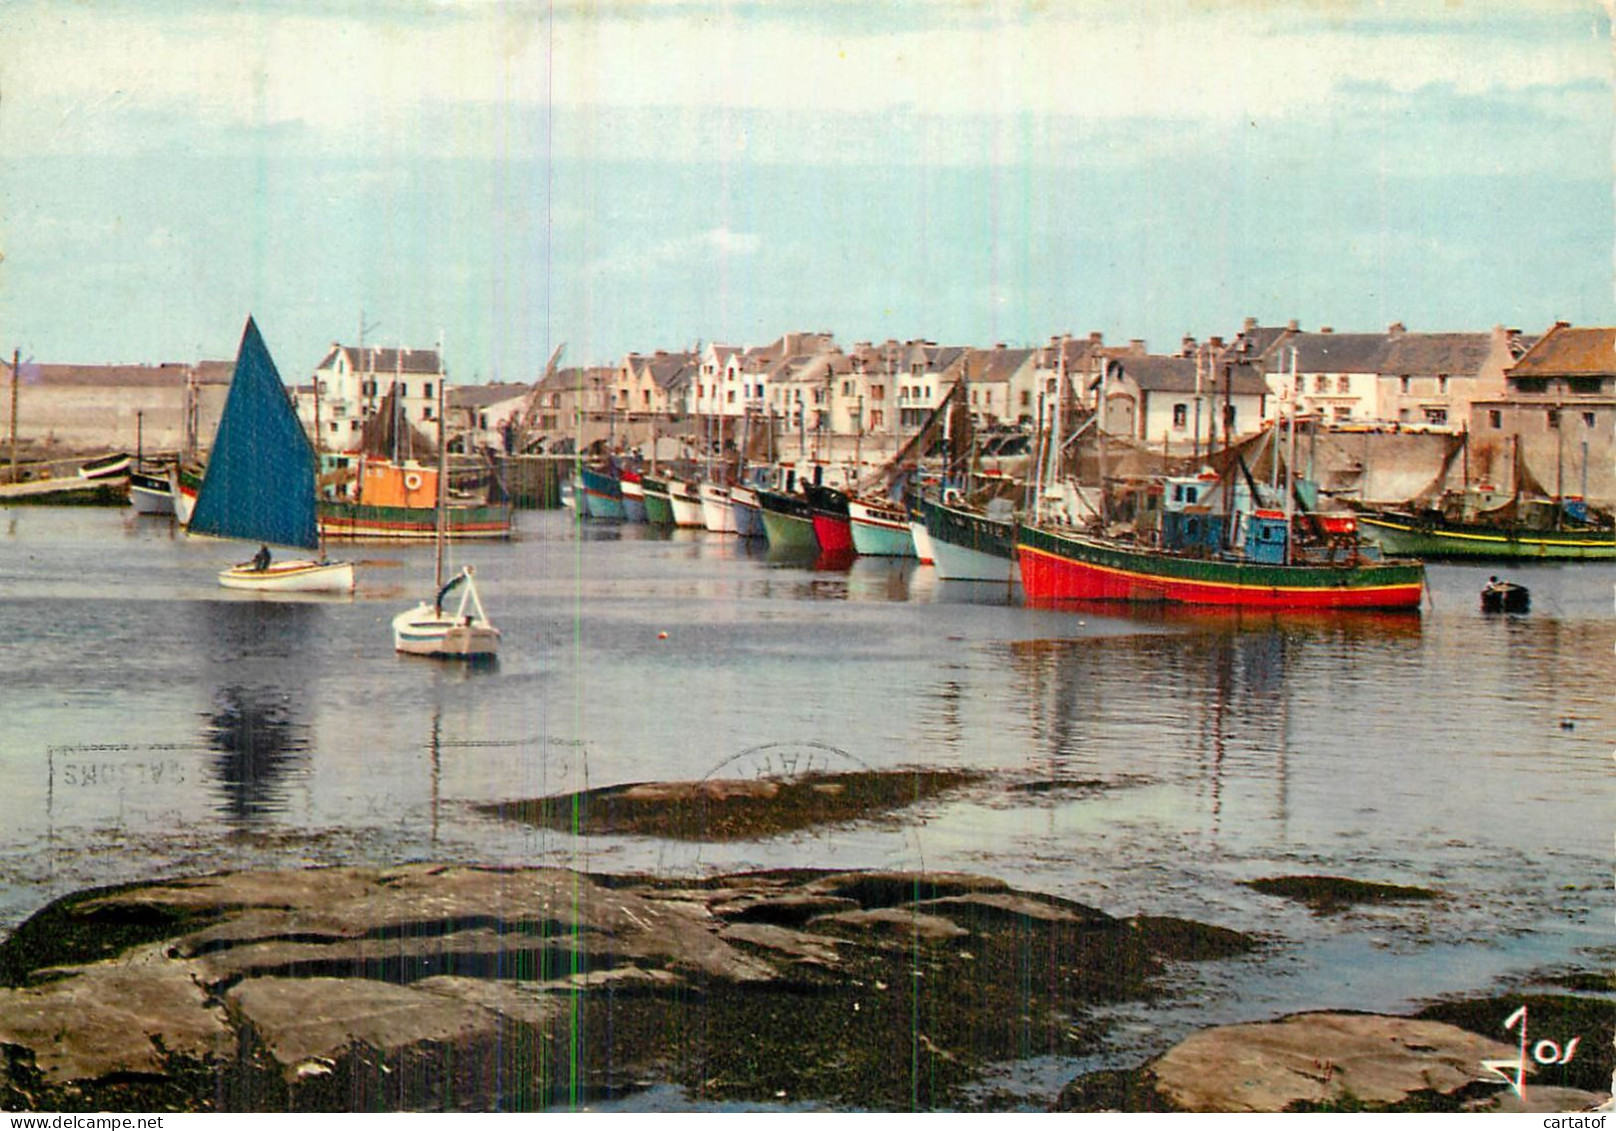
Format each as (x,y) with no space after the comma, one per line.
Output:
(1267,532)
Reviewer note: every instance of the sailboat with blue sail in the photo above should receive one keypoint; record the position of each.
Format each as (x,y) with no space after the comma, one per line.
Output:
(260,483)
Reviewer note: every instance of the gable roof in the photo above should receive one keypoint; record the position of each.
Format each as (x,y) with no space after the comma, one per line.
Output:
(1154,373)
(1332,353)
(1570,351)
(380,360)
(1446,355)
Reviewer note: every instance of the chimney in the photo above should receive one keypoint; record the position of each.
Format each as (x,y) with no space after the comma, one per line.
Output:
(1326,329)
(1137,346)
(1186,348)
(1096,337)
(1215,342)
(998,345)
(1292,326)
(1248,325)
(1396,328)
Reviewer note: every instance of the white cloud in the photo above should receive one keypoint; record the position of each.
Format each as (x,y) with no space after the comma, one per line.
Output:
(699,250)
(394,83)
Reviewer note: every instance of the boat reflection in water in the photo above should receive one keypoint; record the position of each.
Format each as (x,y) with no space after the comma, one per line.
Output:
(258,744)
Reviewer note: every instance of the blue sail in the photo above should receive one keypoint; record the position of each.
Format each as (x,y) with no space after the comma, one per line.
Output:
(260,480)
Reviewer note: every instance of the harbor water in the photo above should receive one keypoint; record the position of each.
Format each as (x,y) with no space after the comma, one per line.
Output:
(155,724)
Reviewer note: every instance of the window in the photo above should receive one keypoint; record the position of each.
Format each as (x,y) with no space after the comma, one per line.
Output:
(335,426)
(1442,385)
(1587,420)
(1026,398)
(847,388)
(877,418)
(1532,384)
(1403,384)
(1436,416)
(426,413)
(878,392)
(1554,418)
(731,397)
(1495,418)
(426,390)
(1343,384)
(1181,416)
(403,388)
(1321,384)
(1228,417)
(1585,384)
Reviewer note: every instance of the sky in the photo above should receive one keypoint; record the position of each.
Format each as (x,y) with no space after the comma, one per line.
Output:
(625,175)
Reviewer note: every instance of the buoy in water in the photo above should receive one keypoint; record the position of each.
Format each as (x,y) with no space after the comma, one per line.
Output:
(662,636)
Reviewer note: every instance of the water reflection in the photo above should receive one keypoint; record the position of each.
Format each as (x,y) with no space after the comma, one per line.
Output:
(263,665)
(258,744)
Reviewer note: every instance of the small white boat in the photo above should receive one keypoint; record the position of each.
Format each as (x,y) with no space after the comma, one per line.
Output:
(150,494)
(430,630)
(305,576)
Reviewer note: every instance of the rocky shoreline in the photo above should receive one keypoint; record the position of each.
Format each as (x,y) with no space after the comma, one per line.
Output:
(439,987)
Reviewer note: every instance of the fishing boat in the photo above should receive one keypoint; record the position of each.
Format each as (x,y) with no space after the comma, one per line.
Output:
(1430,535)
(922,537)
(880,528)
(686,503)
(788,522)
(748,514)
(718,509)
(394,496)
(658,504)
(633,494)
(833,528)
(429,629)
(1068,565)
(969,544)
(184,482)
(151,494)
(259,485)
(602,492)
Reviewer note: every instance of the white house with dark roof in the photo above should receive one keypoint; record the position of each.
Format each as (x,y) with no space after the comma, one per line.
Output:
(351,382)
(929,372)
(1184,402)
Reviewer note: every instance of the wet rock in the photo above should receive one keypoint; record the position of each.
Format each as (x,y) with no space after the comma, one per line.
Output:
(1322,1060)
(723,809)
(1327,895)
(437,987)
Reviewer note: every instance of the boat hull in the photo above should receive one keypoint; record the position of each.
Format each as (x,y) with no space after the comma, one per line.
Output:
(658,505)
(150,494)
(970,547)
(1408,536)
(832,527)
(880,531)
(685,502)
(427,631)
(291,577)
(717,509)
(633,499)
(748,515)
(1057,567)
(361,520)
(922,540)
(603,495)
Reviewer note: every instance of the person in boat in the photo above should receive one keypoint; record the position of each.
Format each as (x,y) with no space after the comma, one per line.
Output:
(261,559)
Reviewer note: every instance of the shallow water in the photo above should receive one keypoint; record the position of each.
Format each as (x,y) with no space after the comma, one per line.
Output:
(156,724)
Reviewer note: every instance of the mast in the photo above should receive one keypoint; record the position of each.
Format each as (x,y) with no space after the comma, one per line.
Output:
(443,492)
(1099,436)
(16,378)
(1290,483)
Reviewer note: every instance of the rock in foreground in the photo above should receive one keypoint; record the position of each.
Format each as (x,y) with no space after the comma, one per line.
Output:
(1324,1062)
(436,987)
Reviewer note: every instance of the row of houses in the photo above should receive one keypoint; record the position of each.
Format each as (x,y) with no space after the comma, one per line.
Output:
(1493,382)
